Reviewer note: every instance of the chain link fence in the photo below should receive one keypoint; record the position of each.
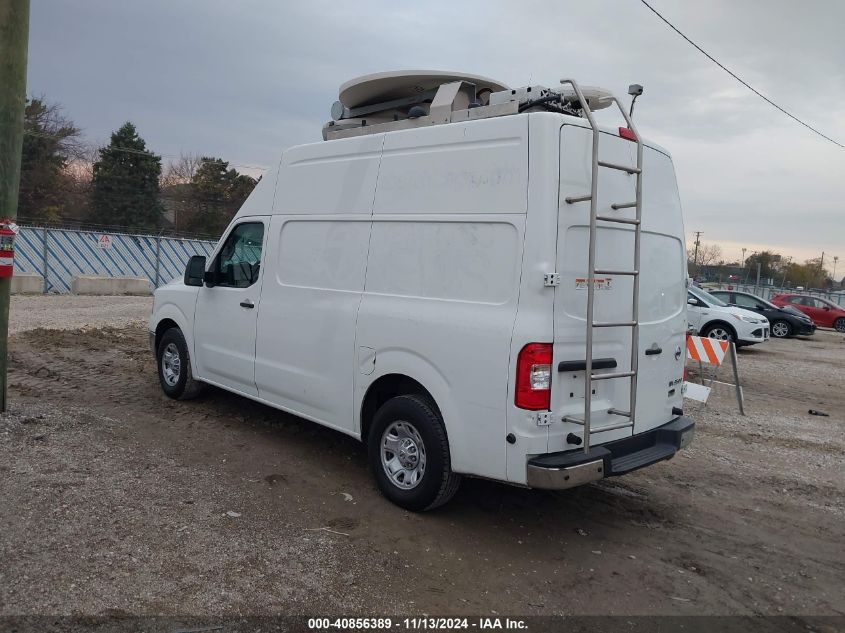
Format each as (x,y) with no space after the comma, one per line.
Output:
(59,255)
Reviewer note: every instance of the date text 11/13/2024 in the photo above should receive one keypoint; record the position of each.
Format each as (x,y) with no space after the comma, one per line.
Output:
(416,624)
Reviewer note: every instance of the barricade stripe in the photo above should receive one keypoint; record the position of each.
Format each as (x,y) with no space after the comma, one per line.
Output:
(708,349)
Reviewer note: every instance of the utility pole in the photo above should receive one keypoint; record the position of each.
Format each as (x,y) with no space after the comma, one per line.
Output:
(743,257)
(835,259)
(695,255)
(821,270)
(14,38)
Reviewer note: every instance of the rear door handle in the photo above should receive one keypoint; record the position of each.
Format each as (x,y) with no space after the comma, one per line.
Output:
(246,303)
(652,351)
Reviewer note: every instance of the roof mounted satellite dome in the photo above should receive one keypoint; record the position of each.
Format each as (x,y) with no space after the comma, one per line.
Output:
(401,84)
(405,99)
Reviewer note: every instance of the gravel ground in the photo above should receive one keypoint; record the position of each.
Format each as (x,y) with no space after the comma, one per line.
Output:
(70,312)
(121,501)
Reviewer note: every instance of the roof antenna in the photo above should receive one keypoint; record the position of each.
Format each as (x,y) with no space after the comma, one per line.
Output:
(635,90)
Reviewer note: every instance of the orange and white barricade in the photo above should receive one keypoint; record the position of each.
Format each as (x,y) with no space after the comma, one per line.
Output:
(712,352)
(707,350)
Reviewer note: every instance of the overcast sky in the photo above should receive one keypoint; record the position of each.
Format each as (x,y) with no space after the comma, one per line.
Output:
(244,80)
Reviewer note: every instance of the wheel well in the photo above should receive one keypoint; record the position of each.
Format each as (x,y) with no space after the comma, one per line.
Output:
(162,327)
(384,389)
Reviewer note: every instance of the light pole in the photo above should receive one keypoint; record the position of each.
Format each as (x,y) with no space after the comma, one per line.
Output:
(835,259)
(743,257)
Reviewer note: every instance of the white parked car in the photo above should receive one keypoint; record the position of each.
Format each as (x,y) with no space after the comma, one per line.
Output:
(420,281)
(714,318)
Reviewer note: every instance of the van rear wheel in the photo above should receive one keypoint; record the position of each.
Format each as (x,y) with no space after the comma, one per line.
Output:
(409,454)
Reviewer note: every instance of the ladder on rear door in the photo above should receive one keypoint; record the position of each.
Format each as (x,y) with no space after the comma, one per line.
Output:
(589,376)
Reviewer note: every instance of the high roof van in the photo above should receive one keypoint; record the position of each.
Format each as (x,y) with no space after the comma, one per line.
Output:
(470,279)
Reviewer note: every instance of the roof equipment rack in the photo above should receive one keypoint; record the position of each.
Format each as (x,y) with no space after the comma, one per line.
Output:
(401,100)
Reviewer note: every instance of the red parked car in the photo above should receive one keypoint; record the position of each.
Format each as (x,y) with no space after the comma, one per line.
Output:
(823,312)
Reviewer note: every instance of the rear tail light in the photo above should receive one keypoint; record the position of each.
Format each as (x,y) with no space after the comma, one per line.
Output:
(534,377)
(627,133)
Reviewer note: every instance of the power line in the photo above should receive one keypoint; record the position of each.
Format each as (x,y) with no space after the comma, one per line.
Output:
(744,83)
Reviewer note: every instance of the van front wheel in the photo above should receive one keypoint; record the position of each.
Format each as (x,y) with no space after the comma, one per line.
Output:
(174,367)
(409,454)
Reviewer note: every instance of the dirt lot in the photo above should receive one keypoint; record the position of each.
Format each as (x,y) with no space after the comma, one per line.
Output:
(118,500)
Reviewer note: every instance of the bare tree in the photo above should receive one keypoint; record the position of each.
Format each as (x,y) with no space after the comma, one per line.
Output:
(708,254)
(181,171)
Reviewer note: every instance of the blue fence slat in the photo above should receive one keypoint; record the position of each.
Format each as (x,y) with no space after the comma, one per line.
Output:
(71,253)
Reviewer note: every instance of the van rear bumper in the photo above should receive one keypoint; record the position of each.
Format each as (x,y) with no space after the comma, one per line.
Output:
(567,469)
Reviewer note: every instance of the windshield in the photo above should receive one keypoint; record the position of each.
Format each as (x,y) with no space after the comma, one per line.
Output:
(698,293)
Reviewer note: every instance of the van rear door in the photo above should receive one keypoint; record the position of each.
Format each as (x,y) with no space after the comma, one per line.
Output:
(662,316)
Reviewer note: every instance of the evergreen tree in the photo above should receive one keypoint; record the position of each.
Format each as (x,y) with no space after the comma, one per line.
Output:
(218,192)
(125,183)
(50,142)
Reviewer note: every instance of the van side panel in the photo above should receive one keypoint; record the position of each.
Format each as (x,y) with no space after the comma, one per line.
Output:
(443,273)
(314,276)
(329,178)
(477,167)
(306,325)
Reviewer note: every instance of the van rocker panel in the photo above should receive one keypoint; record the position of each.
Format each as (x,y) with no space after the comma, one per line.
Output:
(567,469)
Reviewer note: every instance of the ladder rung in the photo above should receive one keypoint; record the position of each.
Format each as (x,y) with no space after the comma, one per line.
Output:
(632,273)
(618,374)
(630,170)
(573,419)
(574,199)
(615,324)
(623,205)
(612,427)
(626,414)
(607,218)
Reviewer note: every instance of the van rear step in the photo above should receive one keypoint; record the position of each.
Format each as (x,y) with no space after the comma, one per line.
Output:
(566,469)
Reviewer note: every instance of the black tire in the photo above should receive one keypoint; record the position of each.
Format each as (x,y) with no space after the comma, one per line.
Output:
(839,325)
(184,387)
(437,483)
(780,329)
(712,328)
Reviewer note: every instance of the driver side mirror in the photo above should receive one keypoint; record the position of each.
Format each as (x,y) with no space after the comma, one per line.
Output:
(691,301)
(195,271)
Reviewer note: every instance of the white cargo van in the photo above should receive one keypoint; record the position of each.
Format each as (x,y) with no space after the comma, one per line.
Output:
(472,280)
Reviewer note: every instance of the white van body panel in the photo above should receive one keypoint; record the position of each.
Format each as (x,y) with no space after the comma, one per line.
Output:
(422,253)
(175,303)
(442,278)
(224,330)
(313,280)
